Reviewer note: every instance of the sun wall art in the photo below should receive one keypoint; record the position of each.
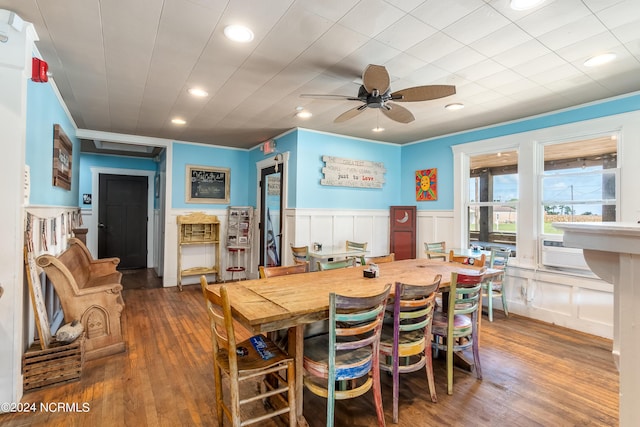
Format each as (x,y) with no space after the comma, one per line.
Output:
(427,184)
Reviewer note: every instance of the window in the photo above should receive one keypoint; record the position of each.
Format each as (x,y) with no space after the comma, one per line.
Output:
(578,182)
(493,198)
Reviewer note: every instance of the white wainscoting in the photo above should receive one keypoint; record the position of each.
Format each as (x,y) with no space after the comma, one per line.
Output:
(332,227)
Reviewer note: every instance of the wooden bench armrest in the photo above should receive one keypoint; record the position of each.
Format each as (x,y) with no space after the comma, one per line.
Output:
(103,266)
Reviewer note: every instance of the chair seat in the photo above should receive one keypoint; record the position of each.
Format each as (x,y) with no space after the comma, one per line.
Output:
(351,364)
(460,323)
(413,338)
(252,361)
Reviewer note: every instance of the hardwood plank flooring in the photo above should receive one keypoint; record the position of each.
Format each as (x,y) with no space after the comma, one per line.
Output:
(535,374)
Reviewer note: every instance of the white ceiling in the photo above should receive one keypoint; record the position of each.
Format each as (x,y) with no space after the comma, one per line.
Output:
(124,66)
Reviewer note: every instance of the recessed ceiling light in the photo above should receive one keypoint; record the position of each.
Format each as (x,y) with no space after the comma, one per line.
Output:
(178,121)
(594,61)
(525,4)
(454,106)
(238,33)
(195,91)
(304,114)
(378,129)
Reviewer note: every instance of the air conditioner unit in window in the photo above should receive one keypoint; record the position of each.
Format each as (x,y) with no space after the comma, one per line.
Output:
(554,254)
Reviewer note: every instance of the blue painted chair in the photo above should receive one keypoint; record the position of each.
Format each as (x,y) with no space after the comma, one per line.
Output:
(436,250)
(405,343)
(344,363)
(494,288)
(456,328)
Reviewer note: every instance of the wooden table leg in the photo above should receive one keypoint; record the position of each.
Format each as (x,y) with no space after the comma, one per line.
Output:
(296,348)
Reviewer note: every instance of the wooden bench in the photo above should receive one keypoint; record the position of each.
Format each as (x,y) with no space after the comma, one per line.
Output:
(90,291)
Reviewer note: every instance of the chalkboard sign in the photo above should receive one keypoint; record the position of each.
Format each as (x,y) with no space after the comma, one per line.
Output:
(207,184)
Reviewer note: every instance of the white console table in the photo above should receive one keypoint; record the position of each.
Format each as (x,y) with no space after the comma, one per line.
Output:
(612,251)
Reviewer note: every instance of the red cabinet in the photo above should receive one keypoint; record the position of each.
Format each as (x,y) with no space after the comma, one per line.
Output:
(403,232)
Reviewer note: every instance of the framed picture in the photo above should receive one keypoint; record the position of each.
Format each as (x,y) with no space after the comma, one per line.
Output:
(207,184)
(62,158)
(427,185)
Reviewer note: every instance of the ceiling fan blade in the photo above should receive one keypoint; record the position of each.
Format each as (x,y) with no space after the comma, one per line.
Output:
(398,113)
(375,77)
(350,114)
(423,93)
(329,97)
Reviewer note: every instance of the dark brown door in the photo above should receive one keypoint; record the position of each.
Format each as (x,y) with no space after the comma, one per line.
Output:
(403,231)
(122,219)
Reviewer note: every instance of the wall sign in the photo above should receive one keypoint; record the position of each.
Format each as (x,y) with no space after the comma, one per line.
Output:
(207,184)
(352,173)
(62,158)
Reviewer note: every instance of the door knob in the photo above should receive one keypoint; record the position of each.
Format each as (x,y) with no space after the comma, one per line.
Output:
(101,225)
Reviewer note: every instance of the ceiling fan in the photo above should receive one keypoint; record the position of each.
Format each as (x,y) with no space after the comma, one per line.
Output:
(375,92)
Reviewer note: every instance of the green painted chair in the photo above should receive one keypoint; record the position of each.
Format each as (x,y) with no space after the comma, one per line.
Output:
(434,249)
(344,363)
(332,265)
(405,342)
(457,328)
(360,247)
(494,288)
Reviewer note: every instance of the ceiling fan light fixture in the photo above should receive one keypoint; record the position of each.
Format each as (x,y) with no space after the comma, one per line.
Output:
(525,4)
(601,59)
(454,106)
(178,121)
(238,33)
(200,93)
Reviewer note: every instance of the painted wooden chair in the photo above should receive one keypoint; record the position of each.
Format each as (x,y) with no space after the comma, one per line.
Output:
(457,328)
(245,361)
(381,259)
(405,343)
(463,259)
(332,265)
(357,246)
(494,288)
(283,270)
(300,254)
(436,250)
(344,364)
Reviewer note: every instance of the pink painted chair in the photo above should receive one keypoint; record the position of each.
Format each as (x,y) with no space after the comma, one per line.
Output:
(349,354)
(405,343)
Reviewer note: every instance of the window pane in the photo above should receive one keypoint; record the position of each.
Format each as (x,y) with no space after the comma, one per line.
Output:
(493,225)
(579,182)
(493,184)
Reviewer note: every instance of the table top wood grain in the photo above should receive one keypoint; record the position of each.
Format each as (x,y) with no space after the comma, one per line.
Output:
(285,301)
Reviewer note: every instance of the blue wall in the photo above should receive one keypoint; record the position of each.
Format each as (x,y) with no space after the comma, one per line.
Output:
(89,161)
(205,155)
(43,111)
(437,152)
(310,194)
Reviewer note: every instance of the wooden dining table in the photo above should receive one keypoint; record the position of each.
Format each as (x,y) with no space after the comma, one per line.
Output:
(292,301)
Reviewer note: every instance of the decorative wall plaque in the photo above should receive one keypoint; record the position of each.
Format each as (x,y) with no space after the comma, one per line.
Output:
(352,173)
(62,158)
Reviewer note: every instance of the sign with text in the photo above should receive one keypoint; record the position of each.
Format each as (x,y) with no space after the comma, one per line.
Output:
(352,173)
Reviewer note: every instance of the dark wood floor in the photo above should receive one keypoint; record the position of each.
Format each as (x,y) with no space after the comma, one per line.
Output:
(535,374)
